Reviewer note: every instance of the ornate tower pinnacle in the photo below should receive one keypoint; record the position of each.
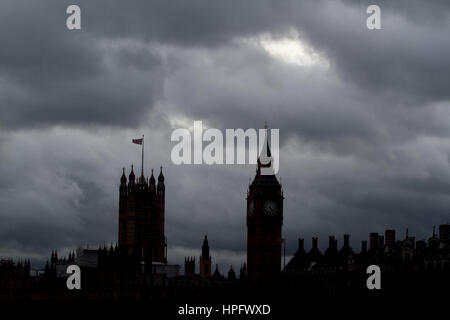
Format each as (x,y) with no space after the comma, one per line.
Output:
(205,260)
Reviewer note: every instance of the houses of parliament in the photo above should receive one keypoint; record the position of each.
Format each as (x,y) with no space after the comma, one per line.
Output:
(138,267)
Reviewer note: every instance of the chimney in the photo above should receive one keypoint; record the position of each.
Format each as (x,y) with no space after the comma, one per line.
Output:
(373,240)
(314,243)
(301,244)
(364,246)
(331,242)
(346,240)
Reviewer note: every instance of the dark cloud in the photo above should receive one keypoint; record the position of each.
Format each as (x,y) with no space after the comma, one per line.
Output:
(50,76)
(364,131)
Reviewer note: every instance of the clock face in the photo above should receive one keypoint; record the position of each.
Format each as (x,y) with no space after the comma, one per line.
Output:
(251,208)
(270,208)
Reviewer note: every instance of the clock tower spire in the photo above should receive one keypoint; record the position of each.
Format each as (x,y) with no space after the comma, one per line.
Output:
(264,224)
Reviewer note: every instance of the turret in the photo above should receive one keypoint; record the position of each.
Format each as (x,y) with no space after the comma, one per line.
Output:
(123,179)
(231,274)
(217,275)
(131,178)
(205,260)
(161,187)
(205,248)
(123,184)
(151,183)
(54,258)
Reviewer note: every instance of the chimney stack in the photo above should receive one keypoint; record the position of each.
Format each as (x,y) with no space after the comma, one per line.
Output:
(314,243)
(331,242)
(301,244)
(346,240)
(373,240)
(364,246)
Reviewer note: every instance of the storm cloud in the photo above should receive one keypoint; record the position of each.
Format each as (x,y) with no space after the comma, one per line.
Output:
(363,117)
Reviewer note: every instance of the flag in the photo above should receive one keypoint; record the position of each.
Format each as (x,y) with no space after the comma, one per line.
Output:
(138,141)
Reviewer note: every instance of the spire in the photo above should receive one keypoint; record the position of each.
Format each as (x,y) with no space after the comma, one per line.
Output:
(217,274)
(161,176)
(205,248)
(152,178)
(161,187)
(231,274)
(123,179)
(132,177)
(269,154)
(142,166)
(151,182)
(265,157)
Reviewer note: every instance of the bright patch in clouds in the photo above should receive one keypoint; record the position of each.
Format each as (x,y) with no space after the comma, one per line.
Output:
(292,50)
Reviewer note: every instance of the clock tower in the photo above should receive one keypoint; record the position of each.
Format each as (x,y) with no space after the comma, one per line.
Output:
(264,223)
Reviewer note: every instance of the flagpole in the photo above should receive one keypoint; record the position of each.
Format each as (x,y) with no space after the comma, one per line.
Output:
(142,165)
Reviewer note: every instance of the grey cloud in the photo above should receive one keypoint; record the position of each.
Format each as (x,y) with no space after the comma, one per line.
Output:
(50,76)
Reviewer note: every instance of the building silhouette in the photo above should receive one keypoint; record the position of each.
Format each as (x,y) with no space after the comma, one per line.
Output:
(137,267)
(141,217)
(205,260)
(264,226)
(403,262)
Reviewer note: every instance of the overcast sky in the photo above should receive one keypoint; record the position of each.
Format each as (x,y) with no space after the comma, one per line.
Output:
(363,115)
